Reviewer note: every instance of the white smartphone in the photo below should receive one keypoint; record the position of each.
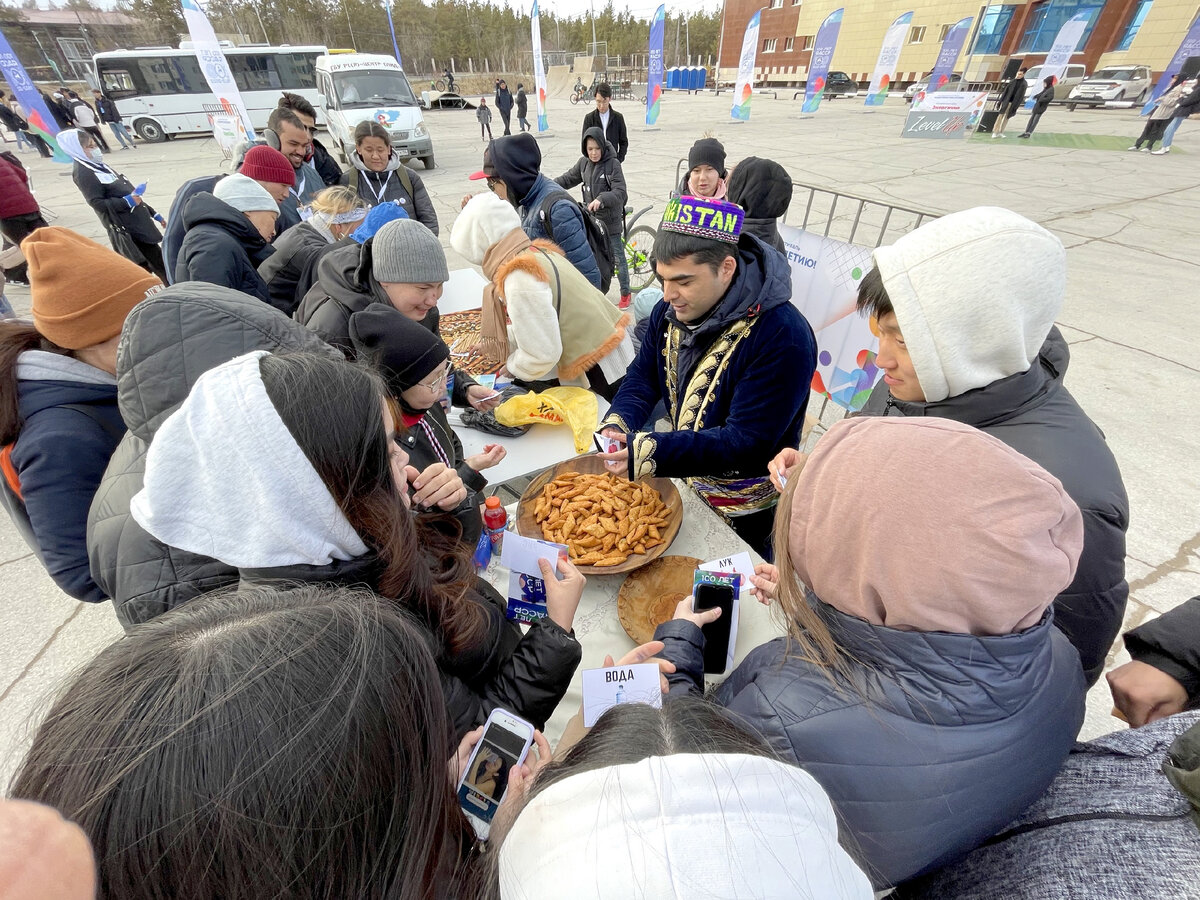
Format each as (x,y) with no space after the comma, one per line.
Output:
(505,743)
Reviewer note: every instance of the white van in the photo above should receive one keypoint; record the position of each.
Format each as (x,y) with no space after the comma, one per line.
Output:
(353,87)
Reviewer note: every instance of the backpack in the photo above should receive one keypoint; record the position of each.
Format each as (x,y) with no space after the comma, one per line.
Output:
(597,234)
(10,485)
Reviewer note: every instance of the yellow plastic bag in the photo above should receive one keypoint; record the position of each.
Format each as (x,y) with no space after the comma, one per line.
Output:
(574,406)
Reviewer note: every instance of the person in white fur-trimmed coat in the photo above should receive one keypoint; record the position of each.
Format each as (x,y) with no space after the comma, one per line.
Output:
(541,317)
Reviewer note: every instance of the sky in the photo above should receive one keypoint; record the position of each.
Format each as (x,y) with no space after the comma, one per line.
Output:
(566,8)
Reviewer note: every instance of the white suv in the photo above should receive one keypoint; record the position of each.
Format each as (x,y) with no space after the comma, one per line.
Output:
(1112,83)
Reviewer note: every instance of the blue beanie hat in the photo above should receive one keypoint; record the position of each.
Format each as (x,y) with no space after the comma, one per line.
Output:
(376,219)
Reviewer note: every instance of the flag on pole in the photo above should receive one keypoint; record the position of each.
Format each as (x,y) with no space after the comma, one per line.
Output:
(822,56)
(36,111)
(1189,47)
(392,29)
(1060,52)
(654,75)
(889,55)
(539,70)
(951,47)
(743,90)
(214,66)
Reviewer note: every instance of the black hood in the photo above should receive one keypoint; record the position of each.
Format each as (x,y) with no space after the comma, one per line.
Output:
(762,187)
(205,209)
(763,280)
(596,133)
(516,159)
(344,273)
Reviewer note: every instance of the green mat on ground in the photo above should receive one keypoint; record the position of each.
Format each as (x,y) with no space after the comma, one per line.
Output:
(1070,141)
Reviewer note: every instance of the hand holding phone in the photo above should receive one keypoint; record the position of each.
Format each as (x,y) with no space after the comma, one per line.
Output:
(505,744)
(715,591)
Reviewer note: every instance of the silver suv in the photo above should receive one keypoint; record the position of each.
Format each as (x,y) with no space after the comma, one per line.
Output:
(1112,83)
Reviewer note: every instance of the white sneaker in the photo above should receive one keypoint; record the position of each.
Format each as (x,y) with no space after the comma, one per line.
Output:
(1133,148)
(1161,151)
(1145,150)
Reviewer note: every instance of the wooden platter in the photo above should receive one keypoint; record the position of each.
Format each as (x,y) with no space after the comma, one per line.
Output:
(528,526)
(649,596)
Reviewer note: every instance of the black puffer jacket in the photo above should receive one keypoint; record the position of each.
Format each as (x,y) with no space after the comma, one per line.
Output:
(1171,643)
(167,343)
(526,674)
(603,181)
(345,286)
(1036,415)
(763,188)
(221,246)
(292,269)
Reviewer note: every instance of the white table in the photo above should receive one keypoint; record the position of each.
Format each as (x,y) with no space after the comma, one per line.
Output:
(703,535)
(463,291)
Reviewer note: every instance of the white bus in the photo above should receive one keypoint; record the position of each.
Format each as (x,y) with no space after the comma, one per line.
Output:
(160,91)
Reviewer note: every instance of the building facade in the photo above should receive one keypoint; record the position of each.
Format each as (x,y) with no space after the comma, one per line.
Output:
(57,45)
(1120,32)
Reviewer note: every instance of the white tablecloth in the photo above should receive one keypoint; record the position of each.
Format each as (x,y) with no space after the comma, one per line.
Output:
(703,535)
(463,291)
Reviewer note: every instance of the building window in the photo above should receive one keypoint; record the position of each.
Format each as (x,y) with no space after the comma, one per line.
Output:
(993,28)
(795,2)
(917,34)
(1049,16)
(1131,30)
(806,41)
(943,30)
(789,44)
(769,45)
(776,4)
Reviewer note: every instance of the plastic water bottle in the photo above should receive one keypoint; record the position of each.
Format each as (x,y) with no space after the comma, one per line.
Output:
(494,520)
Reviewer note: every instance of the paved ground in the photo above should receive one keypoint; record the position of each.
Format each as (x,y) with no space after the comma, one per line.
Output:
(1130,222)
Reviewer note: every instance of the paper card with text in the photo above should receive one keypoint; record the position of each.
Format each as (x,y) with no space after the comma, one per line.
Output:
(526,598)
(521,554)
(605,688)
(741,563)
(738,582)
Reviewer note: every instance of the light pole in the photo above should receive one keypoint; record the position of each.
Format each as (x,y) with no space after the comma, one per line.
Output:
(592,7)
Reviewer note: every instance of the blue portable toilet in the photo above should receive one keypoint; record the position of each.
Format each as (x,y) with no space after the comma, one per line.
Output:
(673,78)
(693,78)
(703,79)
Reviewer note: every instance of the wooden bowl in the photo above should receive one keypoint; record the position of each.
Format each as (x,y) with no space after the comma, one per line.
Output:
(649,596)
(527,526)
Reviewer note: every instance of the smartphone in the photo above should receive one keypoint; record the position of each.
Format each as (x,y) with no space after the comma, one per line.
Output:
(505,743)
(608,444)
(716,634)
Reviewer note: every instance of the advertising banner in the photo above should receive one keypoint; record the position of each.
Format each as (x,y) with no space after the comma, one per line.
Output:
(539,70)
(1189,47)
(944,115)
(36,112)
(889,55)
(822,56)
(743,90)
(1060,53)
(654,77)
(825,277)
(225,132)
(948,55)
(215,68)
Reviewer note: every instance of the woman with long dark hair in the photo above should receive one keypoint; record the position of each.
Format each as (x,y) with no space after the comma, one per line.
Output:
(263,743)
(287,468)
(59,421)
(128,219)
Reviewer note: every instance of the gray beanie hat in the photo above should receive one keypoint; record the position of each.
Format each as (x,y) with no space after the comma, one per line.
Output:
(245,194)
(406,252)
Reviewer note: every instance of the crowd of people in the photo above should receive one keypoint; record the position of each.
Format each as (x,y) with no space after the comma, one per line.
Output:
(237,437)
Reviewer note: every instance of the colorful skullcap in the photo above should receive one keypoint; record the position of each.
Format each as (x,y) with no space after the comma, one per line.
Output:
(704,217)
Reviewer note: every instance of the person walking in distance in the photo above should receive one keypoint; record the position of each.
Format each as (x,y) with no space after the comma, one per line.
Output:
(107,110)
(523,108)
(85,119)
(608,120)
(484,115)
(504,103)
(1188,105)
(1041,102)
(13,118)
(1011,99)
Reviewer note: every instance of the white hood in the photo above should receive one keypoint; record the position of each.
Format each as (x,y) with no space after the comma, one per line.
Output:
(226,479)
(975,294)
(687,826)
(483,221)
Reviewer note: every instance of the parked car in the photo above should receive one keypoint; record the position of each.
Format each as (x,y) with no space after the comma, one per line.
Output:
(1066,83)
(839,84)
(955,83)
(1112,83)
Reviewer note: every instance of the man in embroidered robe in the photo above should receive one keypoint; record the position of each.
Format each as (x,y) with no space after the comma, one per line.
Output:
(731,358)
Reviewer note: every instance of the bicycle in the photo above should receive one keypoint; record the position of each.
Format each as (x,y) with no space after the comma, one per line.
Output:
(445,87)
(638,241)
(579,93)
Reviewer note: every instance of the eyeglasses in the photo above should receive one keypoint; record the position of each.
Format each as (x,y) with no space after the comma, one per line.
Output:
(437,383)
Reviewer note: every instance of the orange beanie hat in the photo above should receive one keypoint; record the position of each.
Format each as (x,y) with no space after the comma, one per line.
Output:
(81,291)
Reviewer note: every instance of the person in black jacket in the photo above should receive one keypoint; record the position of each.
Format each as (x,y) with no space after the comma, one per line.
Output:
(604,193)
(1164,676)
(228,236)
(504,103)
(85,119)
(1012,98)
(58,109)
(522,108)
(322,160)
(415,365)
(1188,106)
(59,421)
(289,469)
(1041,103)
(608,120)
(763,188)
(17,124)
(129,220)
(106,109)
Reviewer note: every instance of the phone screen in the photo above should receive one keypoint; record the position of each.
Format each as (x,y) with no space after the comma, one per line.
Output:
(486,778)
(716,634)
